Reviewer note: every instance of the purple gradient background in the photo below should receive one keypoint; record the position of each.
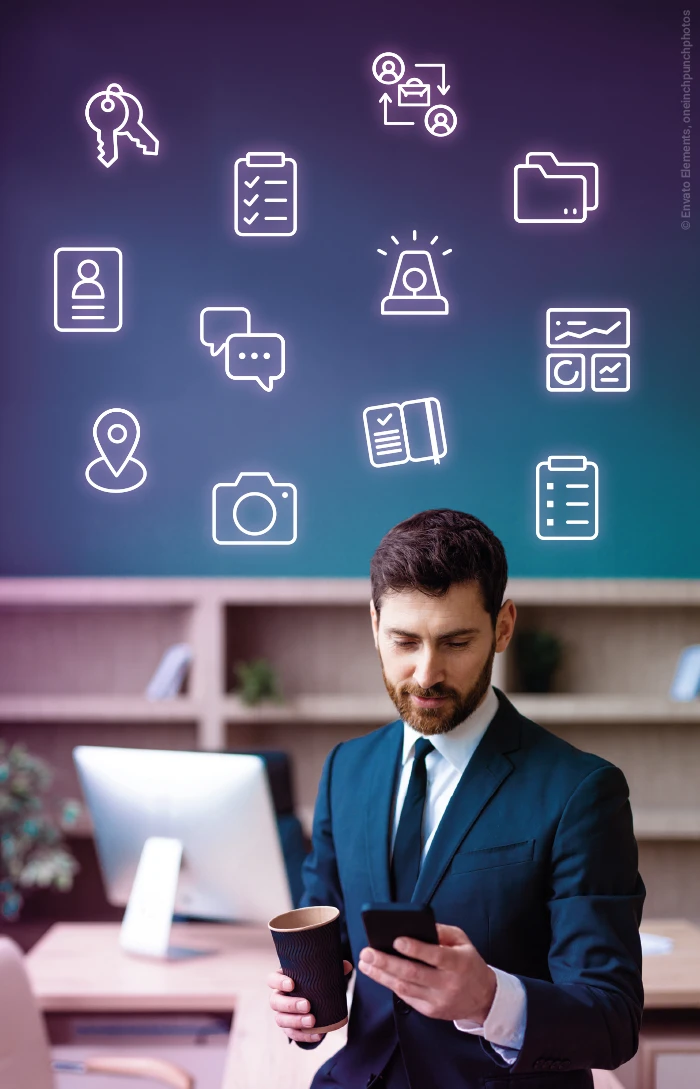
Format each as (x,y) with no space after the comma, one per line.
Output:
(599,81)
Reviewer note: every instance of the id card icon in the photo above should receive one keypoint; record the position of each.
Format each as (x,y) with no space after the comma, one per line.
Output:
(87,289)
(265,195)
(566,498)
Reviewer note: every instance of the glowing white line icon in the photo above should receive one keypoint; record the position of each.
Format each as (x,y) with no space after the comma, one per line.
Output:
(249,357)
(265,195)
(547,191)
(113,113)
(389,69)
(566,498)
(87,289)
(588,327)
(113,427)
(610,372)
(566,373)
(414,287)
(412,431)
(247,511)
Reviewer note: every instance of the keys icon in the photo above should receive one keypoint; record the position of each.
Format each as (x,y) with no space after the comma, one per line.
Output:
(113,113)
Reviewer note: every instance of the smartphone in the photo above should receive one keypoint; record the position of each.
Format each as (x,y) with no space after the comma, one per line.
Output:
(386,922)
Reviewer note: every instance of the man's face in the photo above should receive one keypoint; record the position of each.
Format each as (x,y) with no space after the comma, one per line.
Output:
(437,653)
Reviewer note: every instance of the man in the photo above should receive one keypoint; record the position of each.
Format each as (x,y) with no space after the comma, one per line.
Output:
(522,844)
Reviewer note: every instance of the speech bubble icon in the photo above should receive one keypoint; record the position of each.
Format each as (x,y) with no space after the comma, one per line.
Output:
(257,357)
(216,323)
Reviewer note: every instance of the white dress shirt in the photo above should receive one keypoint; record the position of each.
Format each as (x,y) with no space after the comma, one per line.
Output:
(504,1027)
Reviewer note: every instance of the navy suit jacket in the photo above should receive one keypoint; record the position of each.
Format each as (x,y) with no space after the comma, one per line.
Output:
(535,859)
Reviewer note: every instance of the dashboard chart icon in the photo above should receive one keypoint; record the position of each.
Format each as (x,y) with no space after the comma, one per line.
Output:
(588,327)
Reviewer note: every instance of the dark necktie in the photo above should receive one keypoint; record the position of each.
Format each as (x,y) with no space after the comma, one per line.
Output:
(405,861)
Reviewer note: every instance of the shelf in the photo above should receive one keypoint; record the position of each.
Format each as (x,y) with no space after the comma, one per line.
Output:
(90,592)
(327,708)
(96,709)
(631,710)
(365,710)
(666,824)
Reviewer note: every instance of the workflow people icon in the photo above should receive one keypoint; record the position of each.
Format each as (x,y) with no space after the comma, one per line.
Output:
(265,195)
(586,328)
(566,498)
(249,357)
(113,113)
(87,289)
(254,510)
(548,191)
(389,70)
(116,432)
(412,431)
(414,287)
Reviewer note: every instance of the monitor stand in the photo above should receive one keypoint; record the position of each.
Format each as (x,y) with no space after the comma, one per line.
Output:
(145,929)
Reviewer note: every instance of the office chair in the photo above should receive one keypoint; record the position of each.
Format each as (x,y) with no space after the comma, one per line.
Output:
(25,1059)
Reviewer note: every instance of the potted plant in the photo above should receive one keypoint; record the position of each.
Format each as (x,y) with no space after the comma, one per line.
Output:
(33,853)
(538,655)
(256,681)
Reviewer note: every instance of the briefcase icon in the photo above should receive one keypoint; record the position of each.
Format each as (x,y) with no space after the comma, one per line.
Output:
(547,191)
(414,92)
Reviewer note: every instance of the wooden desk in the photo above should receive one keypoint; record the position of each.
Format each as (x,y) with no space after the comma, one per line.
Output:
(672,980)
(79,966)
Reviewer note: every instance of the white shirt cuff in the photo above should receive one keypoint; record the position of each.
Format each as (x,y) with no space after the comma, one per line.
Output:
(505,1025)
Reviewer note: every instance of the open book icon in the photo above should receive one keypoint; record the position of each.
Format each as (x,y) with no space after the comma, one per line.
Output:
(412,431)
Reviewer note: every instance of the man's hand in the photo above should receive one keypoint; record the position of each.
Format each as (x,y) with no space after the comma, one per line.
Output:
(293,1015)
(453,983)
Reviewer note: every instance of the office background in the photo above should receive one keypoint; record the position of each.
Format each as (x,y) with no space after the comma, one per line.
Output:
(218,80)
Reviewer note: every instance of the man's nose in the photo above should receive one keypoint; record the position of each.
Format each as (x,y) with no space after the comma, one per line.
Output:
(428,669)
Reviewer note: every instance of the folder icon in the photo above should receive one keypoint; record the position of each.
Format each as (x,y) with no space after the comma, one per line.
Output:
(547,191)
(414,92)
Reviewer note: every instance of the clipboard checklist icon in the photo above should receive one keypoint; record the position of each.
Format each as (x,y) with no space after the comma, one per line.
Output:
(265,195)
(566,498)
(412,431)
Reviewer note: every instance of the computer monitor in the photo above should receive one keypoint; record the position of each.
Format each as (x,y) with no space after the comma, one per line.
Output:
(218,806)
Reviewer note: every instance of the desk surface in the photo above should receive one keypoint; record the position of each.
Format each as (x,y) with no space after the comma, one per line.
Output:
(79,967)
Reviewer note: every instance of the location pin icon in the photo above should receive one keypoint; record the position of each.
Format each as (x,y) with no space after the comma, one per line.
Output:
(116,433)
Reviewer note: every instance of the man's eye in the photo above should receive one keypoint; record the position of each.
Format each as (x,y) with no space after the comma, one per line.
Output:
(404,643)
(459,644)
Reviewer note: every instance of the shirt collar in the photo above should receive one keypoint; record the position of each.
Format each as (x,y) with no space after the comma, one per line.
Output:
(459,744)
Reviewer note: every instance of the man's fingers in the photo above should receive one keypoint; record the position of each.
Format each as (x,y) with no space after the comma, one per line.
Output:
(283,1003)
(304,1037)
(434,955)
(296,1021)
(279,981)
(395,972)
(451,935)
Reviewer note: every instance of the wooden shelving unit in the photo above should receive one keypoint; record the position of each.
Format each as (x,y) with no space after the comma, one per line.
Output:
(76,655)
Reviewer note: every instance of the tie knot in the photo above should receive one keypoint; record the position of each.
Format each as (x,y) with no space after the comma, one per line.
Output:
(423,747)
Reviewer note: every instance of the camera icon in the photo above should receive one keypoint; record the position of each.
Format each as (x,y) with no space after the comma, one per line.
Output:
(254,510)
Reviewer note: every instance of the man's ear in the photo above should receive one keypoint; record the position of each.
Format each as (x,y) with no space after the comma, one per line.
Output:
(375,623)
(505,623)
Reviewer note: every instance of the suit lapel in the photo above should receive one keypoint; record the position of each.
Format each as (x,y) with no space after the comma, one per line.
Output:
(382,782)
(487,769)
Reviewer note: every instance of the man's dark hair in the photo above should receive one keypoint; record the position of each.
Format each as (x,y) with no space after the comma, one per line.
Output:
(436,548)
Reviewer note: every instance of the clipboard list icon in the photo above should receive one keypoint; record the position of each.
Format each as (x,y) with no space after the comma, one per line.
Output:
(566,498)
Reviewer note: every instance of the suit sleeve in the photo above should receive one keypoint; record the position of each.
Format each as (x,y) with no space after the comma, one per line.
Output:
(319,869)
(590,1013)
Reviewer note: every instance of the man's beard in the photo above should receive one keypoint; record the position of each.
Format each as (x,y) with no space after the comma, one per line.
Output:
(439,720)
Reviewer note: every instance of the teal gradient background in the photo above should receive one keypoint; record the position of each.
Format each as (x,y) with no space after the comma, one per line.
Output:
(216,80)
